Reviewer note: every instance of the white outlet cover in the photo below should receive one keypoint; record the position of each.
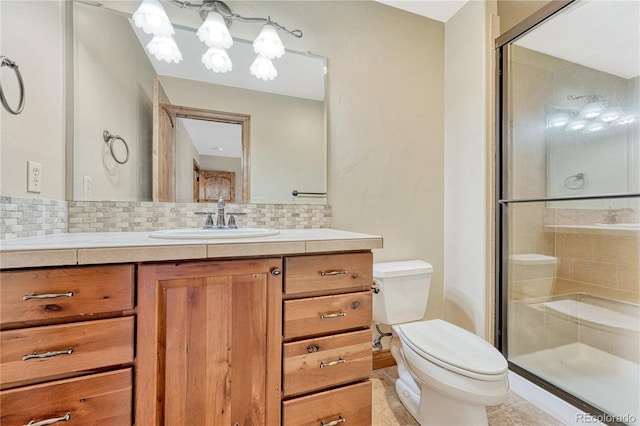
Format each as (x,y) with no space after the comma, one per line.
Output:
(34,177)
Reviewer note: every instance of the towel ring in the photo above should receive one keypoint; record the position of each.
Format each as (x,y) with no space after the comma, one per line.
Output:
(575,182)
(11,64)
(109,139)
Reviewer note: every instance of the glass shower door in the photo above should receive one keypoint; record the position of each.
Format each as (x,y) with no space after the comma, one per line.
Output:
(569,206)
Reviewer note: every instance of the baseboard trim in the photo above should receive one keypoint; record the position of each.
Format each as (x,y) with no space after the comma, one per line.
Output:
(382,359)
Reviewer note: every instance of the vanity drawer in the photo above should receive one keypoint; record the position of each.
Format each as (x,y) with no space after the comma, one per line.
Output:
(326,361)
(326,314)
(43,294)
(352,403)
(328,273)
(93,344)
(99,399)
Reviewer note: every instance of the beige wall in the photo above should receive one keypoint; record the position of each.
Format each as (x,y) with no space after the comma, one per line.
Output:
(513,11)
(112,91)
(467,130)
(38,134)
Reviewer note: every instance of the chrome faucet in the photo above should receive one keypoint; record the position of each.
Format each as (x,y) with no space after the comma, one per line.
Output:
(220,219)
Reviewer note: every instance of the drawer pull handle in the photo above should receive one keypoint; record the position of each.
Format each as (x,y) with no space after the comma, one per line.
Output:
(64,418)
(335,422)
(336,315)
(332,363)
(337,272)
(47,296)
(47,355)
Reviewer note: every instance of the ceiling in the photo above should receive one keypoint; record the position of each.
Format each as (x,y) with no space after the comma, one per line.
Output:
(611,46)
(440,10)
(213,138)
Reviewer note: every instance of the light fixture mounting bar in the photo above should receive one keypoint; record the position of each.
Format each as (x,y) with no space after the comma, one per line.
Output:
(223,9)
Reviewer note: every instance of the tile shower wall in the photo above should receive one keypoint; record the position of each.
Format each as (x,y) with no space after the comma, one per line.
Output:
(605,261)
(26,217)
(30,217)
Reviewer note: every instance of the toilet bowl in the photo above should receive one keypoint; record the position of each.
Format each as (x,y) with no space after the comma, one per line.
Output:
(447,375)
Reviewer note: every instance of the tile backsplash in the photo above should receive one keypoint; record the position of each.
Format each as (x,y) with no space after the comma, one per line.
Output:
(25,217)
(31,217)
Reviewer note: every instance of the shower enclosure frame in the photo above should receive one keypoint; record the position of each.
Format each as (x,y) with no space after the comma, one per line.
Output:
(502,200)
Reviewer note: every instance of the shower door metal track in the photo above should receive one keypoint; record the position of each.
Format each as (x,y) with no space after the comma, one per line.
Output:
(572,198)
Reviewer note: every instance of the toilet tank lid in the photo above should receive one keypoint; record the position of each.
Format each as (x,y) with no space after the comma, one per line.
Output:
(402,268)
(532,259)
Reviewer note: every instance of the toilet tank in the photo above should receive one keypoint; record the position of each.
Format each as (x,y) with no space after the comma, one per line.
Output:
(404,291)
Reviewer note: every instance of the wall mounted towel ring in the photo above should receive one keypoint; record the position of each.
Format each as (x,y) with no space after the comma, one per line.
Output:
(11,64)
(110,139)
(575,182)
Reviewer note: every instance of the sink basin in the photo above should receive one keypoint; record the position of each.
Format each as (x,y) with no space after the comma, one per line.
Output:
(213,233)
(620,225)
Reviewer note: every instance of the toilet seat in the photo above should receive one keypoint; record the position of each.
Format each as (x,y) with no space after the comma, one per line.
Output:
(454,349)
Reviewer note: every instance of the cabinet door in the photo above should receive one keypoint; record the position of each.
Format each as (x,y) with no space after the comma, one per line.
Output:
(209,343)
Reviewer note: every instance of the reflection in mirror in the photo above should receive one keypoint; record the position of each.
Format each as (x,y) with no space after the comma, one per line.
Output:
(113,90)
(214,150)
(580,95)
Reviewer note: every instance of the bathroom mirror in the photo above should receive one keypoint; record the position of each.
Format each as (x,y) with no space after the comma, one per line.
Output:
(113,90)
(575,103)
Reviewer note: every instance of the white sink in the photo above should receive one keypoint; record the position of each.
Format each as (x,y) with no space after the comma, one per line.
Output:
(213,233)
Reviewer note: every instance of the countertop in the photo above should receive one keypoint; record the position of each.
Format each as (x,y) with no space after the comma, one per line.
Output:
(90,248)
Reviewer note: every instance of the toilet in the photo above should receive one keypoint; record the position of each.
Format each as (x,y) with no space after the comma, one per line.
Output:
(532,275)
(447,375)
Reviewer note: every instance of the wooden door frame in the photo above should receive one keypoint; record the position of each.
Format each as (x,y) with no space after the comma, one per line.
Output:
(243,120)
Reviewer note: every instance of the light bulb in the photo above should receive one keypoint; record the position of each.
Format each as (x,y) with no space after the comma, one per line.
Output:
(626,119)
(611,114)
(268,43)
(214,32)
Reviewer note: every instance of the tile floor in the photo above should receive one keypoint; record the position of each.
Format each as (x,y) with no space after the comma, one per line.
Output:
(388,410)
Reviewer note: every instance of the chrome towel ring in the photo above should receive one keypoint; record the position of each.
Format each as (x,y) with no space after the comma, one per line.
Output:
(575,182)
(110,139)
(11,64)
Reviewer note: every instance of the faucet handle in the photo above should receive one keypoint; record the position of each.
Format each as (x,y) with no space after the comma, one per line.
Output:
(208,223)
(232,219)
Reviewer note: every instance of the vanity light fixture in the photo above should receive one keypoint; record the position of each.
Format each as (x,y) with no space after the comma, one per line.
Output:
(214,32)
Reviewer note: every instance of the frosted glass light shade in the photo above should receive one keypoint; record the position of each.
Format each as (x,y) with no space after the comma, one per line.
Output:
(268,43)
(559,119)
(153,19)
(626,118)
(611,114)
(217,60)
(214,32)
(592,110)
(263,69)
(576,125)
(164,49)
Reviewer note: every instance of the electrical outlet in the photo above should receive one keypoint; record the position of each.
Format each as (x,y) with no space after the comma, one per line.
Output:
(34,177)
(87,188)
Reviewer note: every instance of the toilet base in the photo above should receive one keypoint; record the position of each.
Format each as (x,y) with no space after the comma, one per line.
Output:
(442,410)
(427,405)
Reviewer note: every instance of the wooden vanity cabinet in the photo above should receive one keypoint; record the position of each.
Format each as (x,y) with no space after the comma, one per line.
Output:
(67,345)
(209,343)
(327,355)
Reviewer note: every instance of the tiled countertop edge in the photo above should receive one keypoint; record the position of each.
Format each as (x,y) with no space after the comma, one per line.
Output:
(25,258)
